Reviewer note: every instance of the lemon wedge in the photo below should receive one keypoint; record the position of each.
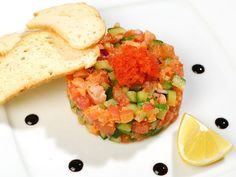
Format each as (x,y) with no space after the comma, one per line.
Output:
(199,145)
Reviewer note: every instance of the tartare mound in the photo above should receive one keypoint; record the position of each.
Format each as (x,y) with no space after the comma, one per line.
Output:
(133,91)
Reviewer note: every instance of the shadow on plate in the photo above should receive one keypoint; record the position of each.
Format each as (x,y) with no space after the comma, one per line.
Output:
(50,103)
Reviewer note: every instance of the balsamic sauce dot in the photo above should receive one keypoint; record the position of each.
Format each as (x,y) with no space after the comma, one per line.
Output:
(160,169)
(221,123)
(31,119)
(76,165)
(198,69)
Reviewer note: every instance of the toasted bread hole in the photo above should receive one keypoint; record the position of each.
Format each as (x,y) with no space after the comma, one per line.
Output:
(22,90)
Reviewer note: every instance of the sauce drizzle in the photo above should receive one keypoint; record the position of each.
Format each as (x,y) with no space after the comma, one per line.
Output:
(31,119)
(160,169)
(76,165)
(198,69)
(221,123)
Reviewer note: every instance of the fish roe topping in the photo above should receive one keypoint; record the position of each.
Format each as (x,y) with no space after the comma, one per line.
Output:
(134,65)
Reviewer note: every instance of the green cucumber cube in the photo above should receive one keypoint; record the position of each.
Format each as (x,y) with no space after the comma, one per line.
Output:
(103,136)
(103,64)
(132,107)
(142,96)
(171,98)
(124,128)
(112,76)
(178,82)
(167,85)
(110,102)
(116,30)
(132,95)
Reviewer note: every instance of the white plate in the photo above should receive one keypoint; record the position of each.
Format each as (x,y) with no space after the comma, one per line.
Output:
(201,31)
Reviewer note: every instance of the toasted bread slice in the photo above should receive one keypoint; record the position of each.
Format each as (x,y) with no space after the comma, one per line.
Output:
(8,41)
(79,24)
(39,57)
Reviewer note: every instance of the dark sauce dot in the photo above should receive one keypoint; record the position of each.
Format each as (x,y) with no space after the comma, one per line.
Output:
(198,69)
(31,119)
(76,165)
(221,123)
(160,169)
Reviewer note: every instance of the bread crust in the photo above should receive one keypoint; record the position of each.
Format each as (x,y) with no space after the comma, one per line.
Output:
(40,57)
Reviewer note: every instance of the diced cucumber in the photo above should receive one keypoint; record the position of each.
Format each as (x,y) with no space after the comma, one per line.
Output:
(116,30)
(125,89)
(154,111)
(116,45)
(103,64)
(167,85)
(116,134)
(72,104)
(128,38)
(153,132)
(155,43)
(136,88)
(117,140)
(168,61)
(89,127)
(78,111)
(107,45)
(101,105)
(132,107)
(73,109)
(171,97)
(161,114)
(132,95)
(161,107)
(142,96)
(132,139)
(154,124)
(179,82)
(110,102)
(103,135)
(109,93)
(105,85)
(112,76)
(140,115)
(140,103)
(81,120)
(124,128)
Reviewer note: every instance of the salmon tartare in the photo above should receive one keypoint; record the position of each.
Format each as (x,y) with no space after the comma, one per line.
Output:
(133,91)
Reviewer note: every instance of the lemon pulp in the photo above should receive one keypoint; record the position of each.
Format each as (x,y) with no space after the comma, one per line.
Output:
(199,145)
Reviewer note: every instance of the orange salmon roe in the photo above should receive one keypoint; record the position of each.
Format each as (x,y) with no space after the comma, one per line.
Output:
(134,65)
